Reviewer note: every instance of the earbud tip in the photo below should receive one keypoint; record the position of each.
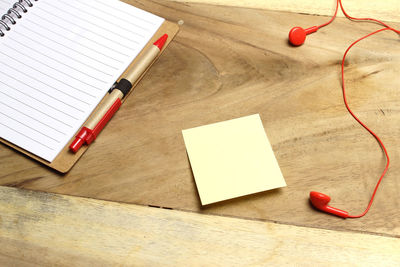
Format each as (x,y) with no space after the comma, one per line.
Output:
(315,196)
(297,36)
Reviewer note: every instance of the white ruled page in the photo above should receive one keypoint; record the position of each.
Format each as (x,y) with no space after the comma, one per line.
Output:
(58,62)
(5,5)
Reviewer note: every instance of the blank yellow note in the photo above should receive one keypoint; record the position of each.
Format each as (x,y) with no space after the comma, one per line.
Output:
(232,159)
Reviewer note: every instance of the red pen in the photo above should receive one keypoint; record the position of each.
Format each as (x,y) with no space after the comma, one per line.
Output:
(106,110)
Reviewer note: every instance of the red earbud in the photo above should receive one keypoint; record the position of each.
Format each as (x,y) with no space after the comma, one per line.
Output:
(320,201)
(297,35)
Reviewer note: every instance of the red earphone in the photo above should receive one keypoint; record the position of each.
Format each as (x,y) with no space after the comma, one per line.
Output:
(297,36)
(320,201)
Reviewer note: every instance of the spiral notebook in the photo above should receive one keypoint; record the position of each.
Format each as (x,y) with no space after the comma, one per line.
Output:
(58,59)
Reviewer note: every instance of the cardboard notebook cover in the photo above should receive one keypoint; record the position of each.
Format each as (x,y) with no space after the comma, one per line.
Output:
(65,160)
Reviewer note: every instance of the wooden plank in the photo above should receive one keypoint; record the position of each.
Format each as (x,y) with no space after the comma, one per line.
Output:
(231,62)
(45,229)
(387,10)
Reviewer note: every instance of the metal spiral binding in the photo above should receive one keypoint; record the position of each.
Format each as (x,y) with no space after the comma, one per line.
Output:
(13,14)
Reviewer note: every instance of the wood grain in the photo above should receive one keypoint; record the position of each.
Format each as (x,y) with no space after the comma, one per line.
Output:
(387,10)
(230,62)
(46,230)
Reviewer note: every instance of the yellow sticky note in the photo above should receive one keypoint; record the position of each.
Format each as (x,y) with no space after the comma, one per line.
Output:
(232,159)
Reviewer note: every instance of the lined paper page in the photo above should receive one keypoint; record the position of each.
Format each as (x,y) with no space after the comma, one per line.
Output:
(5,5)
(58,62)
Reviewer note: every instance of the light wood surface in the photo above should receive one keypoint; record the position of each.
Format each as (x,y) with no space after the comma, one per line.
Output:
(388,10)
(51,230)
(230,62)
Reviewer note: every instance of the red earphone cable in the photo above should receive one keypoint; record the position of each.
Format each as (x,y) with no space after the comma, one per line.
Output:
(360,122)
(367,19)
(333,17)
(387,27)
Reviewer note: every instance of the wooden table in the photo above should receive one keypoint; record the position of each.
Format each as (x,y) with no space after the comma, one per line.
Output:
(229,62)
(41,229)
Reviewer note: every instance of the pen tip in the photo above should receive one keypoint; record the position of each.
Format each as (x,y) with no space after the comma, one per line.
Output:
(161,42)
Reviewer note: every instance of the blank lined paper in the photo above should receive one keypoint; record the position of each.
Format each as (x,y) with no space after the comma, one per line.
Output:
(58,62)
(5,5)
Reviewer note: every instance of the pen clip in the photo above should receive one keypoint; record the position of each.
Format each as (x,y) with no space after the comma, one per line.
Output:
(112,87)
